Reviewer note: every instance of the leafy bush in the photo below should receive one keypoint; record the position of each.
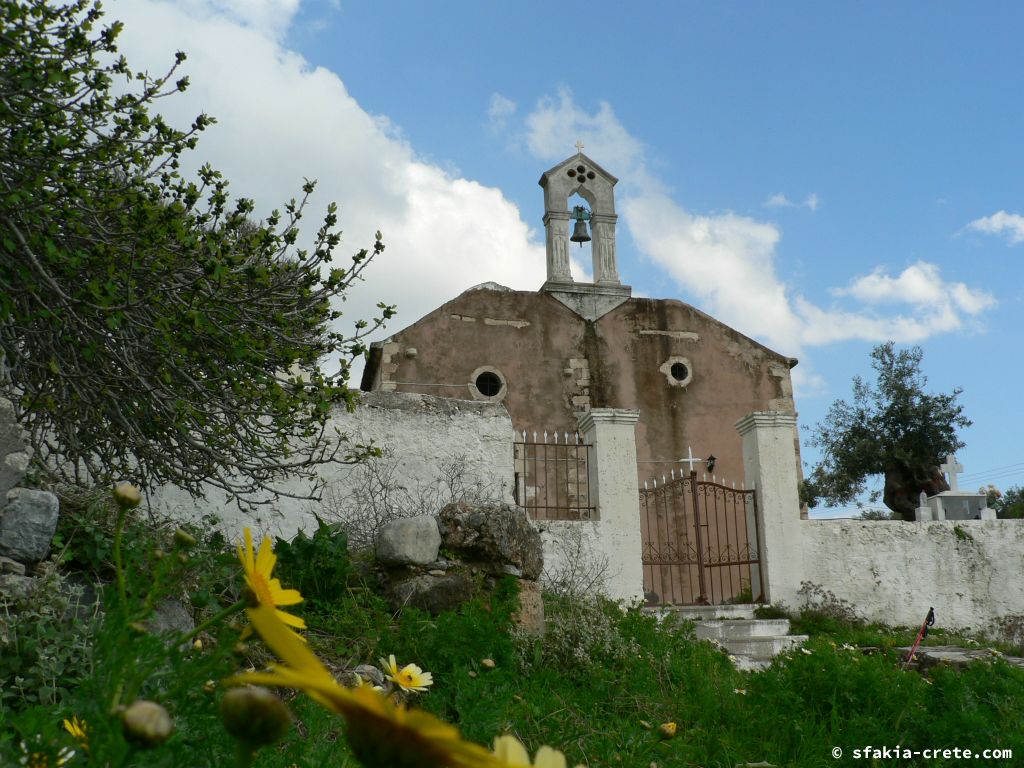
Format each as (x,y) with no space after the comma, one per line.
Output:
(44,640)
(317,566)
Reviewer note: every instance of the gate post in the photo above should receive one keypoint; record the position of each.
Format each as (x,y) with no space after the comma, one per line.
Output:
(769,464)
(616,494)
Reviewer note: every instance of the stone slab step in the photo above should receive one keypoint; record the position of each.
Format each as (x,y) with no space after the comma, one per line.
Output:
(739,629)
(704,612)
(763,647)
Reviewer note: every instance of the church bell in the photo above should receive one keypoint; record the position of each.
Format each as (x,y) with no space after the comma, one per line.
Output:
(579,231)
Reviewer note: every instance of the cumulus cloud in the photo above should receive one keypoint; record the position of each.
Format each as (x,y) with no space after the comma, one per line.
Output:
(779,200)
(499,111)
(280,120)
(727,262)
(920,284)
(1010,224)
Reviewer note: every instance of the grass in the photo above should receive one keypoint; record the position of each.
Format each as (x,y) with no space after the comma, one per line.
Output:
(597,687)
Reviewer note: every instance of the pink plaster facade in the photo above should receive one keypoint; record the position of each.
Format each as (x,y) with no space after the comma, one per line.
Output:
(555,364)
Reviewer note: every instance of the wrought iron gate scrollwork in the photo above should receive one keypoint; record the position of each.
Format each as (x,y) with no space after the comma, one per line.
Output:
(700,543)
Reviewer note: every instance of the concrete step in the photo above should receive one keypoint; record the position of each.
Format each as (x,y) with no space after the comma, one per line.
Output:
(763,647)
(704,612)
(740,629)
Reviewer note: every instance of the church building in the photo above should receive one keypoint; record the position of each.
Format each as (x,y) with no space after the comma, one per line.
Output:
(551,354)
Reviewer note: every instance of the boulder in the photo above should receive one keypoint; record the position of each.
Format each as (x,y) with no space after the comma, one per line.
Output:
(434,594)
(170,616)
(14,449)
(498,536)
(27,524)
(529,615)
(408,541)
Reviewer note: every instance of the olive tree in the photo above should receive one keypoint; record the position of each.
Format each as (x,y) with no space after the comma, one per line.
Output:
(892,428)
(148,328)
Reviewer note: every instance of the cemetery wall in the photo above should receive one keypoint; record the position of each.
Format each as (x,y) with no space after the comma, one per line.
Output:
(892,572)
(424,437)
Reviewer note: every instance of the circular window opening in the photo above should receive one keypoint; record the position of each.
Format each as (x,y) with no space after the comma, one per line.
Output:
(488,384)
(679,371)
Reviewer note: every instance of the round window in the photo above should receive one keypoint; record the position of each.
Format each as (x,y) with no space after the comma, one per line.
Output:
(678,371)
(488,384)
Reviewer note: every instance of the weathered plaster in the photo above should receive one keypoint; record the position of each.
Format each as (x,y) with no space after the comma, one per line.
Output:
(421,432)
(623,350)
(893,571)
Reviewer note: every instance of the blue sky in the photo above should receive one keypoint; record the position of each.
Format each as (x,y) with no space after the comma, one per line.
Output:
(821,176)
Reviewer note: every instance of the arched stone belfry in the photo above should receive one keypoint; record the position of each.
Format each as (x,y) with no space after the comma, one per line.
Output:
(579,175)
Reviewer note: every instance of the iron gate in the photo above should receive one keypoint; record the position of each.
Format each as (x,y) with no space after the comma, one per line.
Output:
(700,543)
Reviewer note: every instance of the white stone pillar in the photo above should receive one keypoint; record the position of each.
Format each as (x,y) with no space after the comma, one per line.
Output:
(769,464)
(556,227)
(616,494)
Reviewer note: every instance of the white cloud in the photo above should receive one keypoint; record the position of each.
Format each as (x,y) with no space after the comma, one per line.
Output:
(727,262)
(281,119)
(1012,224)
(920,284)
(779,200)
(499,111)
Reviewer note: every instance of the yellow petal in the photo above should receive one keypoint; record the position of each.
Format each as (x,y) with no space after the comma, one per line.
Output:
(549,758)
(510,751)
(248,563)
(266,558)
(284,596)
(292,621)
(286,644)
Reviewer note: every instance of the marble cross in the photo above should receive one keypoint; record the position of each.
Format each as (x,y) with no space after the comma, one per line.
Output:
(690,458)
(579,145)
(952,469)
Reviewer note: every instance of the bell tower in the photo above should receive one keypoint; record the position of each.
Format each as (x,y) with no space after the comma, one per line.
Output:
(580,175)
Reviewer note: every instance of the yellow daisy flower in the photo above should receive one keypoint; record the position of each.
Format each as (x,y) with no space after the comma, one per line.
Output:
(78,730)
(39,759)
(381,734)
(266,590)
(408,678)
(511,752)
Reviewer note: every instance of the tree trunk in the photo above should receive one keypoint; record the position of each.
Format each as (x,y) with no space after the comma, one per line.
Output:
(903,488)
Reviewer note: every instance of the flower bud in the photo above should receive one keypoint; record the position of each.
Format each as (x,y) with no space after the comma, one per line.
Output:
(184,539)
(487,663)
(183,558)
(254,716)
(146,724)
(197,645)
(127,495)
(158,554)
(667,730)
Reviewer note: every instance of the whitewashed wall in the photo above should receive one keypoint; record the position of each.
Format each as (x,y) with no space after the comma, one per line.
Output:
(421,432)
(892,572)
(888,571)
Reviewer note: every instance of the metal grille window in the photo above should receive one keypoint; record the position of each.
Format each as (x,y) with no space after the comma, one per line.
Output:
(553,476)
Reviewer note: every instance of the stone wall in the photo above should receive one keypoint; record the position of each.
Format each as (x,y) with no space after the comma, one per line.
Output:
(892,571)
(421,434)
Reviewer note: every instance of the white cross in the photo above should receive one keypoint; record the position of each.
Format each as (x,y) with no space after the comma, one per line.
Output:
(952,469)
(579,146)
(690,460)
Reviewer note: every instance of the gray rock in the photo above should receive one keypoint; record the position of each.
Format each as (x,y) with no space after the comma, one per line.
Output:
(434,594)
(11,566)
(27,524)
(14,449)
(529,615)
(370,674)
(170,616)
(494,535)
(408,541)
(13,587)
